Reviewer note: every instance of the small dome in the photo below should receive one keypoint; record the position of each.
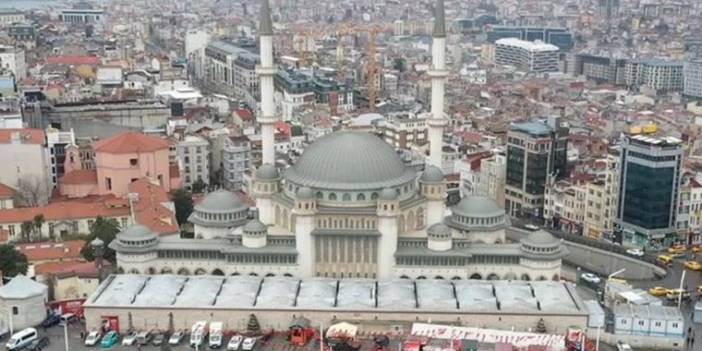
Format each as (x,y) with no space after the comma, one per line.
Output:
(255,226)
(477,206)
(267,172)
(541,238)
(388,194)
(136,232)
(220,201)
(439,230)
(305,193)
(432,174)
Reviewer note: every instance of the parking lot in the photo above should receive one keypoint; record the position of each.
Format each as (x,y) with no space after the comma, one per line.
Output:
(75,343)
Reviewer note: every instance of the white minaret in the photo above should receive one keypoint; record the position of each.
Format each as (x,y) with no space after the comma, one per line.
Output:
(266,71)
(438,74)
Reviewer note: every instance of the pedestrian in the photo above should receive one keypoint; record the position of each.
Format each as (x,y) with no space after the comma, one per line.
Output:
(82,335)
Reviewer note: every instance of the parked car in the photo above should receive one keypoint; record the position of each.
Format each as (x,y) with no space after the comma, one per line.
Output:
(51,320)
(110,339)
(658,291)
(531,227)
(234,342)
(39,344)
(129,339)
(93,338)
(158,339)
(21,339)
(144,338)
(635,252)
(621,346)
(675,294)
(68,318)
(176,337)
(248,344)
(591,278)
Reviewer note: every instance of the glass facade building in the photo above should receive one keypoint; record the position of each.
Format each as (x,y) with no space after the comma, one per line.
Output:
(649,190)
(560,37)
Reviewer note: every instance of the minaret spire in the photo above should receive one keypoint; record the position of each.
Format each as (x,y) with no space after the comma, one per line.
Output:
(266,71)
(438,75)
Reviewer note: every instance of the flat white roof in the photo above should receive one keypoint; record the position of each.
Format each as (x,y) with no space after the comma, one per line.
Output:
(527,45)
(464,296)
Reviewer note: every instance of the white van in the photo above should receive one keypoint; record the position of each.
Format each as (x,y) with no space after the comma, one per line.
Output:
(21,339)
(198,332)
(216,335)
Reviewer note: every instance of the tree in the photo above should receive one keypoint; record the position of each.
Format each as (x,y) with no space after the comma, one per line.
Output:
(12,262)
(198,186)
(37,223)
(106,229)
(183,201)
(31,191)
(399,64)
(253,326)
(541,326)
(26,230)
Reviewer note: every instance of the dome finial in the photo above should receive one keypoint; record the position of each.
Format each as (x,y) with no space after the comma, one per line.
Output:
(439,20)
(265,26)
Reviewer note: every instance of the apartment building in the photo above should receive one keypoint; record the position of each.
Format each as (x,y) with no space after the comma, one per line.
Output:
(537,56)
(194,157)
(404,130)
(659,75)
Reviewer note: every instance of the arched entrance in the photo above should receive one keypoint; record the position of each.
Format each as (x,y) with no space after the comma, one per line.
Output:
(493,276)
(120,270)
(200,271)
(253,274)
(133,271)
(151,270)
(234,274)
(438,277)
(270,275)
(541,277)
(166,270)
(456,278)
(421,277)
(476,276)
(183,271)
(526,277)
(287,275)
(510,276)
(404,277)
(217,271)
(556,278)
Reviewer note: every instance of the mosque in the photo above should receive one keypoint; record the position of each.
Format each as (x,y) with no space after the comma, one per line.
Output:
(347,208)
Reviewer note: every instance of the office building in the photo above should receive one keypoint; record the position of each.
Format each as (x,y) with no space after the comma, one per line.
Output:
(659,75)
(9,16)
(13,60)
(529,56)
(649,182)
(535,150)
(692,73)
(602,68)
(85,14)
(559,37)
(230,69)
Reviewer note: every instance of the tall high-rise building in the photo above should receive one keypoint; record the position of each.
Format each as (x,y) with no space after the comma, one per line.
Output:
(535,150)
(692,73)
(649,182)
(526,55)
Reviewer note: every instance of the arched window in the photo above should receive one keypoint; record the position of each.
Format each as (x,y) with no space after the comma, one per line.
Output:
(420,218)
(320,195)
(332,196)
(374,196)
(277,215)
(361,197)
(410,220)
(346,197)
(401,224)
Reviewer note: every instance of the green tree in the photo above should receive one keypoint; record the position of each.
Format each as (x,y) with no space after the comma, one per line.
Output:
(106,229)
(198,186)
(399,64)
(12,262)
(183,201)
(253,326)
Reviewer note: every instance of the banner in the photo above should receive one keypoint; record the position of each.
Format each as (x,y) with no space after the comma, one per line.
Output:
(518,339)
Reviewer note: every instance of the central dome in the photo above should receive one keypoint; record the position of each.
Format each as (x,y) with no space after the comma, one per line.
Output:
(349,161)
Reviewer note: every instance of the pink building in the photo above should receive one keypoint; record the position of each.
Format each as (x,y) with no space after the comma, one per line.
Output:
(119,161)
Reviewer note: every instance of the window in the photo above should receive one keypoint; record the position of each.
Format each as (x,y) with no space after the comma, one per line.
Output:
(108,183)
(124,221)
(198,149)
(15,310)
(133,161)
(186,159)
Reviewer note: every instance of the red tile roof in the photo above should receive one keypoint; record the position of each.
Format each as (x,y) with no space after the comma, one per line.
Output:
(63,210)
(244,115)
(67,269)
(80,176)
(6,191)
(73,60)
(51,251)
(130,142)
(27,135)
(149,210)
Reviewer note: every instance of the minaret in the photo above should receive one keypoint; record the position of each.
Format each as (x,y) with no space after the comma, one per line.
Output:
(437,73)
(266,71)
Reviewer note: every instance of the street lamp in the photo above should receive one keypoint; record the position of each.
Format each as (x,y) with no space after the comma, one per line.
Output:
(65,335)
